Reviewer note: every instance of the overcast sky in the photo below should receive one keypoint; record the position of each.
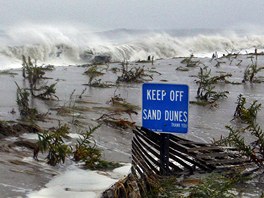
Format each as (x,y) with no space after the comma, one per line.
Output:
(135,14)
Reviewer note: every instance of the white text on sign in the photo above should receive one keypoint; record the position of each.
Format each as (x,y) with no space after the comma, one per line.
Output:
(153,94)
(154,114)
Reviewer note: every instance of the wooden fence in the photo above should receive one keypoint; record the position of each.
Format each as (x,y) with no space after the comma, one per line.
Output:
(156,156)
(184,156)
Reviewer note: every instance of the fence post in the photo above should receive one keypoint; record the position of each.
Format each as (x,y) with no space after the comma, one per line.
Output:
(164,154)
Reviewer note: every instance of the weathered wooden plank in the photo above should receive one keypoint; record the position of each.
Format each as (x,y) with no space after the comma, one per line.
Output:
(174,169)
(153,152)
(147,147)
(228,161)
(140,162)
(138,167)
(145,165)
(186,153)
(151,135)
(189,166)
(150,142)
(190,159)
(178,147)
(183,143)
(179,173)
(206,148)
(217,155)
(145,156)
(135,166)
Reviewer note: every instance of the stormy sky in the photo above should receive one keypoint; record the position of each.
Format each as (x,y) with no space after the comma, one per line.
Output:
(135,14)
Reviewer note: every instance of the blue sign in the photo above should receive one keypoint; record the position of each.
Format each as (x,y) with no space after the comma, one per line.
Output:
(165,107)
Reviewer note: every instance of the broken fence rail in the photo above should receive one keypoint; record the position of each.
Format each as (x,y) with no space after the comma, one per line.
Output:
(185,156)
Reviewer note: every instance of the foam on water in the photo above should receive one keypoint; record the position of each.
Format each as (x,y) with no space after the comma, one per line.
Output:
(79,183)
(65,45)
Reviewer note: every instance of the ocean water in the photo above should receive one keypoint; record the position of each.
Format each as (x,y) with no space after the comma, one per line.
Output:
(67,45)
(63,46)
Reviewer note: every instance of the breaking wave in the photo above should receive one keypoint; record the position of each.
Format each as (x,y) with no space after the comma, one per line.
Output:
(68,45)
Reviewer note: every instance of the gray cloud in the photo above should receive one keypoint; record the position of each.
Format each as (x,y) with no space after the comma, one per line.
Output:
(151,14)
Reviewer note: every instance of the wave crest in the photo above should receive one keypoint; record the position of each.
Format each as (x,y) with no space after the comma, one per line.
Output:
(68,45)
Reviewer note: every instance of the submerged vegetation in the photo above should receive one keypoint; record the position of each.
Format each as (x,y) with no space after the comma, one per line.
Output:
(56,145)
(134,74)
(119,107)
(190,62)
(53,142)
(236,137)
(224,184)
(35,75)
(206,90)
(216,184)
(251,71)
(86,151)
(23,104)
(247,115)
(122,105)
(93,72)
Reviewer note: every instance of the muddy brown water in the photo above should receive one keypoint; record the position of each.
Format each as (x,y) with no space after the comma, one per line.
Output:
(205,123)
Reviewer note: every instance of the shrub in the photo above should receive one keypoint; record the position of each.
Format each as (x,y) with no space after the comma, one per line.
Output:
(87,152)
(206,90)
(247,115)
(53,143)
(23,104)
(35,74)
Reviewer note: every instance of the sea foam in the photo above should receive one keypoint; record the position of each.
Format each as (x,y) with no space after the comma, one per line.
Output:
(65,45)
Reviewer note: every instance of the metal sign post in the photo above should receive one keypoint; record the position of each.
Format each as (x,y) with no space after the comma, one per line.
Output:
(164,154)
(165,109)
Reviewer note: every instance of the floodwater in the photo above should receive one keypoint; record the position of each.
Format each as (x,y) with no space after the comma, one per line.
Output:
(205,122)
